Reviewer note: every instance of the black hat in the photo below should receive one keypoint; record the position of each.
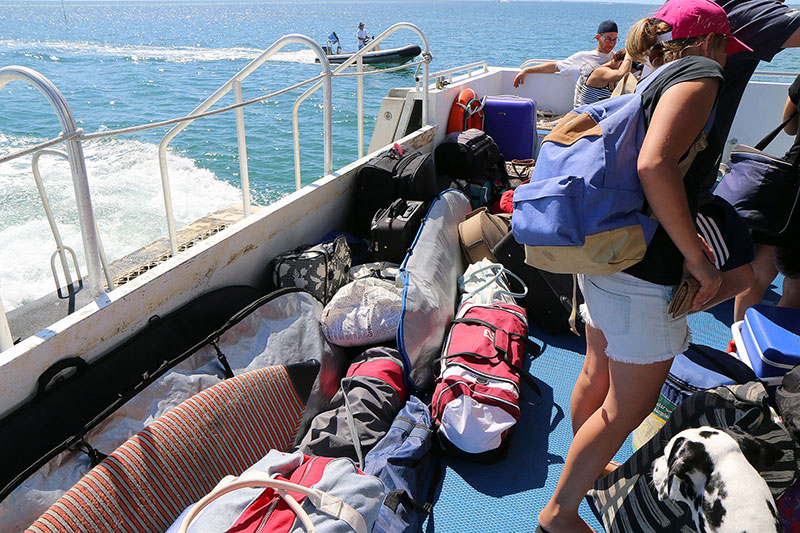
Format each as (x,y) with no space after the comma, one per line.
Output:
(607,26)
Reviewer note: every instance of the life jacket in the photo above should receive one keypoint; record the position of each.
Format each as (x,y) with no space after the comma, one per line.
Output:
(583,210)
(466,112)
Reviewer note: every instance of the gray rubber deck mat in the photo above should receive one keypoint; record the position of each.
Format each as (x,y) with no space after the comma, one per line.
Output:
(507,496)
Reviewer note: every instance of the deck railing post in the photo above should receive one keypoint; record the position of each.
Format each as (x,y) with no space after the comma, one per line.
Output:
(241,138)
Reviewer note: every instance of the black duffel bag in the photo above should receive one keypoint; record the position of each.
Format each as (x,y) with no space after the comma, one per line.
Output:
(392,175)
(764,190)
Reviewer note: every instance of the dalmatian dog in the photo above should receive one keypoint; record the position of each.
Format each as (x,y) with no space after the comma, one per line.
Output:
(706,468)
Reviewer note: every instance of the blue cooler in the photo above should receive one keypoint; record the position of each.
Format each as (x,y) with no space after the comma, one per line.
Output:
(771,338)
(511,122)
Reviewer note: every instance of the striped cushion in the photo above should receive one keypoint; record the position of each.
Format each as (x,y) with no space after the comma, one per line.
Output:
(148,481)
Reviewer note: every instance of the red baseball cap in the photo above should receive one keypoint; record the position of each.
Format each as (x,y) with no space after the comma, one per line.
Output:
(695,18)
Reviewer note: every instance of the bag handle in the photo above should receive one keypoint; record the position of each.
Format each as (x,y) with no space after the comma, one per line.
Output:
(324,502)
(493,278)
(769,137)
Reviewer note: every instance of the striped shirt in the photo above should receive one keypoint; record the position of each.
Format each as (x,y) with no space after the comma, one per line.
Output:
(584,94)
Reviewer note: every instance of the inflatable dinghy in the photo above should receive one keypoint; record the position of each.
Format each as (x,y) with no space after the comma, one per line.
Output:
(390,55)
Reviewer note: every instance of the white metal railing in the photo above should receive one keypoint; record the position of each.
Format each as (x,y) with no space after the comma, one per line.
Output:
(235,83)
(357,59)
(73,136)
(469,69)
(60,248)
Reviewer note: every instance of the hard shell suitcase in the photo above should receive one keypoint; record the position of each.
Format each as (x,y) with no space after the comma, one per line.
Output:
(393,229)
(395,174)
(511,122)
(549,297)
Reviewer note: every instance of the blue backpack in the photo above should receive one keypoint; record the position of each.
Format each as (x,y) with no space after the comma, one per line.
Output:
(406,463)
(582,211)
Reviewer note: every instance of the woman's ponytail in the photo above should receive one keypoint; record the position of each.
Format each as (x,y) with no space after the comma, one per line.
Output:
(642,42)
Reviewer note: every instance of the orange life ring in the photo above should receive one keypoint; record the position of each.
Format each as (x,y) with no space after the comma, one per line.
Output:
(466,112)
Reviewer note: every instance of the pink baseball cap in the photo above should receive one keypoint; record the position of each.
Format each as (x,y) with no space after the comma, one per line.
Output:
(695,18)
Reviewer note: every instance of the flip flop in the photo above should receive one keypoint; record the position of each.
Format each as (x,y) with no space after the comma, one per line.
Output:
(540,529)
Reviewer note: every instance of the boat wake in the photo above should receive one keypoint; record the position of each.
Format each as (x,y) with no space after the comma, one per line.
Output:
(58,50)
(126,193)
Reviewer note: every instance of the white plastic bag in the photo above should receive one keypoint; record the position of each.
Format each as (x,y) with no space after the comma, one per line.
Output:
(363,312)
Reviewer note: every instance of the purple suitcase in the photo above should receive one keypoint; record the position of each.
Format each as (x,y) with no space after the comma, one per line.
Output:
(511,122)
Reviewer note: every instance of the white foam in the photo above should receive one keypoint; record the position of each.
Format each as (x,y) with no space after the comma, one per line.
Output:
(125,184)
(56,50)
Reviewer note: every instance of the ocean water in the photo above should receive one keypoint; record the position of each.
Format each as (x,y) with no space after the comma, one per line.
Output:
(121,64)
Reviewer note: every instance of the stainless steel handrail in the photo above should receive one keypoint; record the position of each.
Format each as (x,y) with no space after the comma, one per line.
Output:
(468,69)
(233,83)
(51,220)
(357,58)
(80,183)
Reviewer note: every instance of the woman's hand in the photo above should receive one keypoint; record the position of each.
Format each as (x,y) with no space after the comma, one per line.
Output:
(701,269)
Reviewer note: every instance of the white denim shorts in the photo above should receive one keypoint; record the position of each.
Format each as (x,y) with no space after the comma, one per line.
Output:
(633,316)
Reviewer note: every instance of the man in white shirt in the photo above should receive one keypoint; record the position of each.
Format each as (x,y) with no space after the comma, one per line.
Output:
(361,35)
(606,40)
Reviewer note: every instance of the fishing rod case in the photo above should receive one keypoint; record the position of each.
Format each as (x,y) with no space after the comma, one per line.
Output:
(225,332)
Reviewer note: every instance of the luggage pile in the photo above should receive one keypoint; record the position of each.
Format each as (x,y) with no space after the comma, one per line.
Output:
(401,375)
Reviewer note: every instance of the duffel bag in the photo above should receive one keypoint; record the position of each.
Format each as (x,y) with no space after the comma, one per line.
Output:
(763,189)
(405,460)
(392,175)
(476,400)
(320,270)
(283,492)
(361,412)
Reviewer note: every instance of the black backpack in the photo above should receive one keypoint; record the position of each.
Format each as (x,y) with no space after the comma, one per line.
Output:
(473,163)
(787,399)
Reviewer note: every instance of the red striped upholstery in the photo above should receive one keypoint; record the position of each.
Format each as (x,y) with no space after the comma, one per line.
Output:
(148,481)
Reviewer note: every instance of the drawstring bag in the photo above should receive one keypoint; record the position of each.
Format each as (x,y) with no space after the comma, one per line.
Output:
(485,282)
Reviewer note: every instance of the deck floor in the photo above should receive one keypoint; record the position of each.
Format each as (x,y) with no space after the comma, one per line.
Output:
(507,496)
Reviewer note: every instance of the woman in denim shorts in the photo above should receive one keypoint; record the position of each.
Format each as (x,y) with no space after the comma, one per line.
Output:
(630,336)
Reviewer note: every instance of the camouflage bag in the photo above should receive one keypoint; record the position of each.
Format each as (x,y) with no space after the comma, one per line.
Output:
(320,269)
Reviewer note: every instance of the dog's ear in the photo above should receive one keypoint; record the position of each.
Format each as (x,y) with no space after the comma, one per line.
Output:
(685,458)
(757,453)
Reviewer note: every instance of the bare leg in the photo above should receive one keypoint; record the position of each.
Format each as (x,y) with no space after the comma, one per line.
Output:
(591,387)
(764,272)
(633,392)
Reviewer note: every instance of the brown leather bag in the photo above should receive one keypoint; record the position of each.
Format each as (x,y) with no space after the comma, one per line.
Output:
(480,232)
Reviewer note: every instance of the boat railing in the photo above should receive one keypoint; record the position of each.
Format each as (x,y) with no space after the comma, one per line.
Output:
(70,134)
(445,77)
(357,60)
(74,136)
(61,249)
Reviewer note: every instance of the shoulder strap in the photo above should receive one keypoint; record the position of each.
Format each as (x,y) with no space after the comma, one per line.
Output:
(769,137)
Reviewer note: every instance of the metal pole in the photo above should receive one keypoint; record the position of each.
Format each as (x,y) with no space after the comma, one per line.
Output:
(242,140)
